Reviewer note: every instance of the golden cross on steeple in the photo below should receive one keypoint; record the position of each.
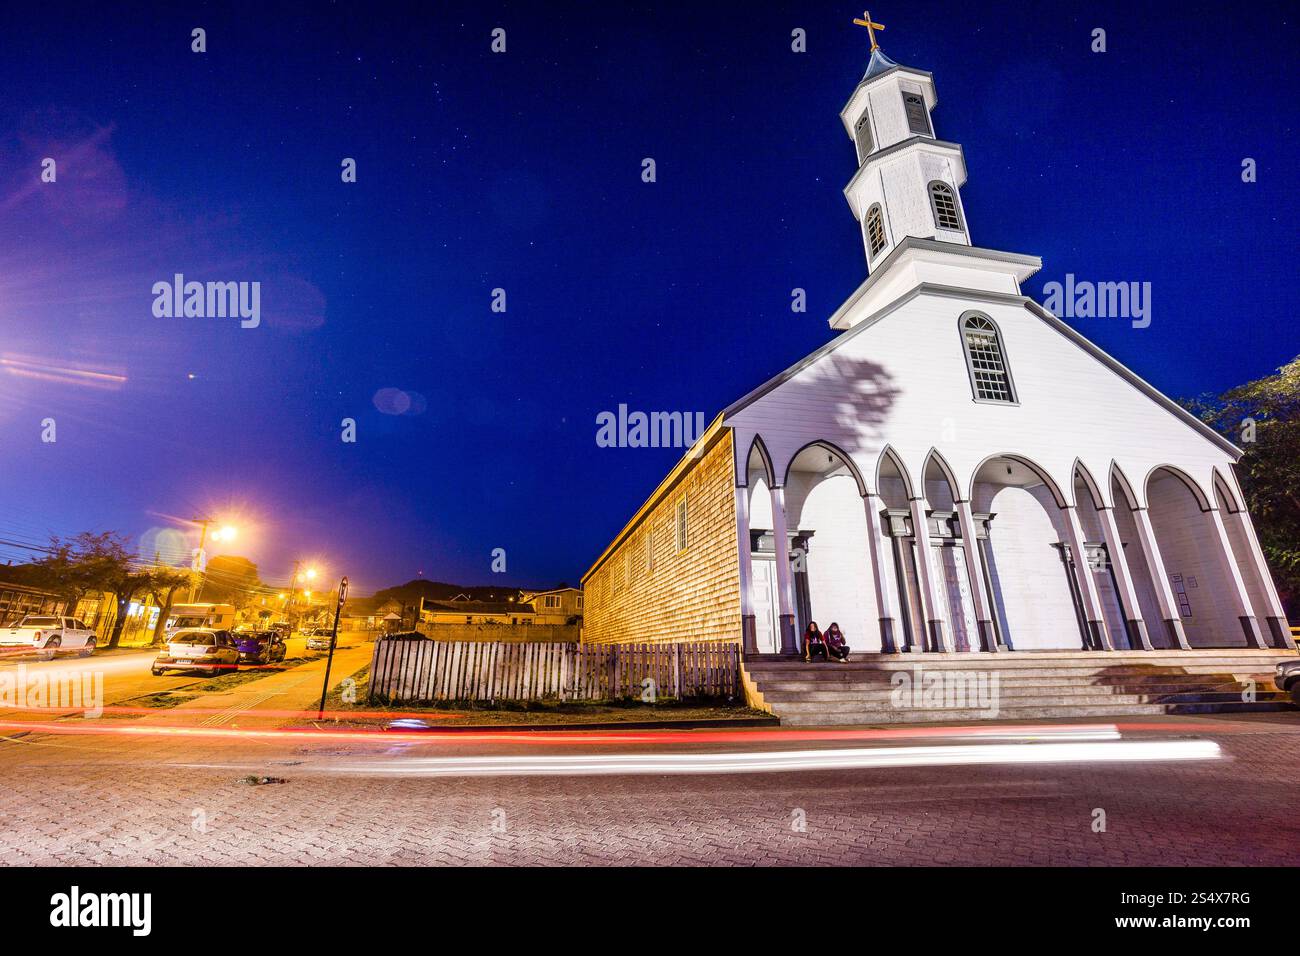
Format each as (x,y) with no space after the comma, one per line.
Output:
(871,28)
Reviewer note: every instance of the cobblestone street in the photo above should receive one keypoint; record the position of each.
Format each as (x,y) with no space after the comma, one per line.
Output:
(82,800)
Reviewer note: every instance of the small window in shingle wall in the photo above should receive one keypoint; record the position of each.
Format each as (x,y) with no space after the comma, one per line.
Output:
(875,230)
(943,203)
(683,537)
(918,118)
(862,137)
(989,375)
(649,550)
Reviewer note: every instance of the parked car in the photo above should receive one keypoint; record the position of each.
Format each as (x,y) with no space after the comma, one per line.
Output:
(319,641)
(198,649)
(260,647)
(49,635)
(1287,677)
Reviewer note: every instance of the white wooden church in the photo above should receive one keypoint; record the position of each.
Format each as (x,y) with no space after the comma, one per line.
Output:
(957,470)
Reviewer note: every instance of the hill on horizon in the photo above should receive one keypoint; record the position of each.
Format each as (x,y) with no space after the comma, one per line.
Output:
(412,591)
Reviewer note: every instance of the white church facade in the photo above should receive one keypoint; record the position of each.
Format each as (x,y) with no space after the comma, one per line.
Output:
(957,471)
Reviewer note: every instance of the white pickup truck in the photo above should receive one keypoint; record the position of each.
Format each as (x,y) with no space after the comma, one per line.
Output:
(49,635)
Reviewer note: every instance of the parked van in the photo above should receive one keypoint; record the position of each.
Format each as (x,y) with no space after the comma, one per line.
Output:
(216,617)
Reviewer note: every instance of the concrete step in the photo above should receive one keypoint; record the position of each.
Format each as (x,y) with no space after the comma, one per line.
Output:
(1251,659)
(842,704)
(1027,713)
(776,696)
(847,672)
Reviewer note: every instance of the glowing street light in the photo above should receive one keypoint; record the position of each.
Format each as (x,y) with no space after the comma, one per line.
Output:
(224,533)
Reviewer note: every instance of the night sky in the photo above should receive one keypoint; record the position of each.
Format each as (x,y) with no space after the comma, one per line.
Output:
(522,171)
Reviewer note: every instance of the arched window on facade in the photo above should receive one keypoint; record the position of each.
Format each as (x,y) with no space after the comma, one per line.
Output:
(943,203)
(875,230)
(990,377)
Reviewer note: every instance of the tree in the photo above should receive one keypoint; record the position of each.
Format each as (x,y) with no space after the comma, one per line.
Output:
(103,562)
(1263,418)
(163,584)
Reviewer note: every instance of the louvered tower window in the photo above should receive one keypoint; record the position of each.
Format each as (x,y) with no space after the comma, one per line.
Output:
(918,118)
(986,360)
(862,136)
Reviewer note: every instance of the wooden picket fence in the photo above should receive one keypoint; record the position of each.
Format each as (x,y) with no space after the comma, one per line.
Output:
(417,668)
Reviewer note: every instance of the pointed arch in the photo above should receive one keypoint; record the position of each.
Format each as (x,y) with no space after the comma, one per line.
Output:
(889,452)
(757,445)
(1080,470)
(835,450)
(1032,465)
(1221,483)
(1193,486)
(1120,480)
(949,475)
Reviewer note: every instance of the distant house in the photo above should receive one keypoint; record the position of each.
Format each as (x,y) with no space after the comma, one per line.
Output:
(557,606)
(462,610)
(17,600)
(368,614)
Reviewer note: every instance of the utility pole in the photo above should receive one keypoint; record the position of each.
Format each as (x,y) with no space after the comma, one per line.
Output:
(203,537)
(334,636)
(293,586)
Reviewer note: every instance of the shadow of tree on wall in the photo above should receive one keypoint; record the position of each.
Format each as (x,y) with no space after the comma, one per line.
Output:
(858,393)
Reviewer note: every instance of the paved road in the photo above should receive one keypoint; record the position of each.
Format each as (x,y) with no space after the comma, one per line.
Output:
(122,674)
(119,679)
(179,799)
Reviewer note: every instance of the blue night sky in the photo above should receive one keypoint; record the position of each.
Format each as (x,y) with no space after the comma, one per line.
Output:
(522,171)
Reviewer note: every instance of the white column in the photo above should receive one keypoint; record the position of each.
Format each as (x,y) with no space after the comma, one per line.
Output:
(748,638)
(1237,592)
(1273,612)
(1160,577)
(784,579)
(926,576)
(1137,628)
(881,576)
(1097,633)
(975,571)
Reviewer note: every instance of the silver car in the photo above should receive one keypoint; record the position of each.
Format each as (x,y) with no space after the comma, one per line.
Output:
(198,649)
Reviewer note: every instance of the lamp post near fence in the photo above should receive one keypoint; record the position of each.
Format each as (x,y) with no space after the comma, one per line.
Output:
(334,637)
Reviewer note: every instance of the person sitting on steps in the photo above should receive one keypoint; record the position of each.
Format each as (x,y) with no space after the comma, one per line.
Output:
(812,643)
(836,649)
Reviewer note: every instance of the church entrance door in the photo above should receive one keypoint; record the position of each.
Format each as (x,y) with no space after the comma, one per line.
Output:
(767,634)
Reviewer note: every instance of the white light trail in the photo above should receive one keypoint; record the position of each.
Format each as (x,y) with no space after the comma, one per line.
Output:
(787,761)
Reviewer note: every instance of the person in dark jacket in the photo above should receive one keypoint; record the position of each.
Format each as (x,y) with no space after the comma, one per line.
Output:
(813,647)
(836,649)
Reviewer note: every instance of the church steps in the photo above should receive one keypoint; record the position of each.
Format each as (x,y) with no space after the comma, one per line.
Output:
(850,703)
(1037,686)
(1023,713)
(1005,692)
(1023,679)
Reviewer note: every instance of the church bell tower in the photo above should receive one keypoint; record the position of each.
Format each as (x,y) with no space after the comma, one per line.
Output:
(908,181)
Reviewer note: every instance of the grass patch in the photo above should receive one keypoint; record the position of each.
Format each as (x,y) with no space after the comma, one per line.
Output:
(215,685)
(160,701)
